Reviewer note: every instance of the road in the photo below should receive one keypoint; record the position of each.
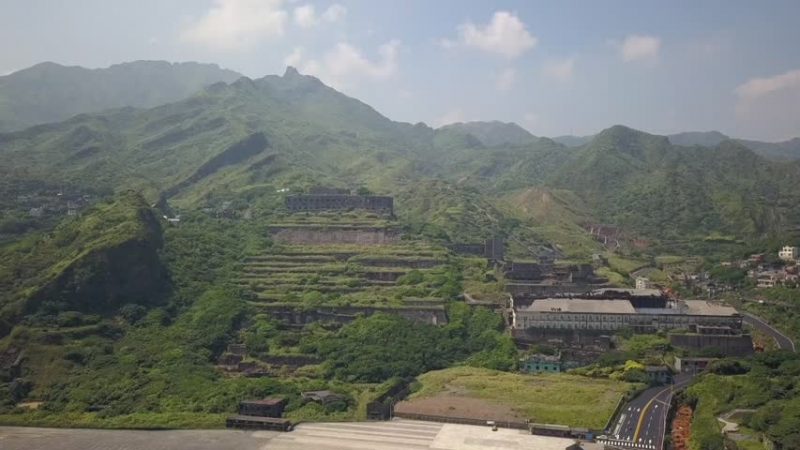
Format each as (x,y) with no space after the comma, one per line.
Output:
(642,422)
(784,342)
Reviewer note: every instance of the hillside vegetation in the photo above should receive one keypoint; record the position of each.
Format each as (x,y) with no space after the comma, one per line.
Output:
(94,264)
(50,92)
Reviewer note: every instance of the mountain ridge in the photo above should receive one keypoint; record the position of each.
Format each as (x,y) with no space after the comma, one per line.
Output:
(49,92)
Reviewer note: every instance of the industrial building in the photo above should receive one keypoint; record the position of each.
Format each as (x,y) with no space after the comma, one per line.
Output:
(698,316)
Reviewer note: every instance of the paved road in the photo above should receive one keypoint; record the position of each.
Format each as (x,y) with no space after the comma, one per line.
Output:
(642,422)
(784,342)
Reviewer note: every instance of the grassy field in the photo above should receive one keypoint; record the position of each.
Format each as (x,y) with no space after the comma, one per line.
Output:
(553,398)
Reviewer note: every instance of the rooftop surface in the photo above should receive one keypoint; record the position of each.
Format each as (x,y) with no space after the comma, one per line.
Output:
(704,308)
(580,305)
(391,435)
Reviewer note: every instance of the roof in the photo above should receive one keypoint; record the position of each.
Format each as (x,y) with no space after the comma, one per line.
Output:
(548,426)
(704,308)
(580,305)
(632,292)
(270,401)
(259,419)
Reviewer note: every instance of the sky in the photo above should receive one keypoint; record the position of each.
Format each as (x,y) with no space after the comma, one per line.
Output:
(554,67)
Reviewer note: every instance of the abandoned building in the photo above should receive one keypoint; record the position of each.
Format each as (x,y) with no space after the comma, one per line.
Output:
(268,407)
(339,202)
(258,423)
(615,314)
(692,365)
(492,249)
(540,363)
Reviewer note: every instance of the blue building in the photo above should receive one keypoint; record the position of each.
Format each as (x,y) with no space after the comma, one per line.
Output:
(539,363)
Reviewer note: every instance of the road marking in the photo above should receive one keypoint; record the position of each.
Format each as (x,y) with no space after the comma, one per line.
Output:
(644,412)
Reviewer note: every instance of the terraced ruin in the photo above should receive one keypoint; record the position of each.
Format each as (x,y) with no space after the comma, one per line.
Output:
(336,265)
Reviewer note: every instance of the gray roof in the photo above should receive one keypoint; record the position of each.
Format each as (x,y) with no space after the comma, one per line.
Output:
(581,305)
(704,308)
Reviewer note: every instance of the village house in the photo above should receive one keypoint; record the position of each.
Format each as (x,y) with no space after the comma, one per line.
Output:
(789,253)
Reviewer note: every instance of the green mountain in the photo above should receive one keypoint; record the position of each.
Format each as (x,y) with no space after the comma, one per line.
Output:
(94,265)
(776,151)
(642,182)
(246,140)
(702,138)
(50,92)
(119,322)
(494,134)
(573,141)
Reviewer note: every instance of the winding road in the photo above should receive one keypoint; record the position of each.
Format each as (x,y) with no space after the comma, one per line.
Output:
(783,341)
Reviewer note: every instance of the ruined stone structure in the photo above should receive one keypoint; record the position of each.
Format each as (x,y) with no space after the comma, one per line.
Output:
(432,315)
(324,235)
(338,202)
(491,249)
(382,407)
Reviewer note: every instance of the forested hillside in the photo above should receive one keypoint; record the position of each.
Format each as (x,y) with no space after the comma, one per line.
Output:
(245,140)
(50,92)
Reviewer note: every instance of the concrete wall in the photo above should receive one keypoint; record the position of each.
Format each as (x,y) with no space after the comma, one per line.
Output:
(331,235)
(345,314)
(379,204)
(545,290)
(728,345)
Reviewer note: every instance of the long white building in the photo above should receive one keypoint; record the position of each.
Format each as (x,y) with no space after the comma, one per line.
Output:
(595,314)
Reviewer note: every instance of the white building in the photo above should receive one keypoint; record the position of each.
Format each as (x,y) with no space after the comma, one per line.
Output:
(642,283)
(789,253)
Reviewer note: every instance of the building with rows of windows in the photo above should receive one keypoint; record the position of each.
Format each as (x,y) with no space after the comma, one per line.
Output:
(613,314)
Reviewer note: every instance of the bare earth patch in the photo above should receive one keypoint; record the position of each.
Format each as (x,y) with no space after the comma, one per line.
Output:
(449,405)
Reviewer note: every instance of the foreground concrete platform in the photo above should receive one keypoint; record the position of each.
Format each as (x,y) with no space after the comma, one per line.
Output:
(392,435)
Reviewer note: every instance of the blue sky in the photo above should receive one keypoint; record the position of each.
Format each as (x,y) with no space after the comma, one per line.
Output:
(565,67)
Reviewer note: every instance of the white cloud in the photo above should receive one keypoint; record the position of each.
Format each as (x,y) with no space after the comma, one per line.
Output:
(305,16)
(506,79)
(640,47)
(504,35)
(237,24)
(294,58)
(334,13)
(449,117)
(561,71)
(759,87)
(769,108)
(345,64)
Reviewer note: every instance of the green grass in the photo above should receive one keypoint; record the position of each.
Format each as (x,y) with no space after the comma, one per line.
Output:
(548,398)
(624,265)
(169,420)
